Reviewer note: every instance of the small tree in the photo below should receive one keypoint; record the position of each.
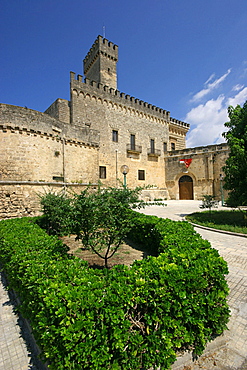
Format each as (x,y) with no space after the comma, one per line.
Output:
(103,218)
(236,164)
(208,201)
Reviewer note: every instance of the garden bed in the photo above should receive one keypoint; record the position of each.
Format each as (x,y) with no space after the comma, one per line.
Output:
(127,253)
(123,318)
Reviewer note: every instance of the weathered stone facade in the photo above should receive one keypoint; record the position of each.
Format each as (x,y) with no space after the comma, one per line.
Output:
(38,151)
(90,138)
(204,174)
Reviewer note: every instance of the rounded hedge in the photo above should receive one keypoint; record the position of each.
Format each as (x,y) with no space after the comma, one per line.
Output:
(134,317)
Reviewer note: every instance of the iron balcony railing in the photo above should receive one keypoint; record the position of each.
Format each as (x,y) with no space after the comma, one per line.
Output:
(134,148)
(154,152)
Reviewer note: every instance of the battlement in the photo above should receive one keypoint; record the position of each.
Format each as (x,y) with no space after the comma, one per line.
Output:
(178,122)
(24,120)
(101,46)
(208,149)
(112,94)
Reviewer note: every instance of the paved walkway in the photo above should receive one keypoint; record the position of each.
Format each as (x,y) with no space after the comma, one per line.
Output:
(17,348)
(17,351)
(228,352)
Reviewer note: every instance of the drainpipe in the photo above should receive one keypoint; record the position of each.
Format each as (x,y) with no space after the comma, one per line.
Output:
(63,154)
(116,167)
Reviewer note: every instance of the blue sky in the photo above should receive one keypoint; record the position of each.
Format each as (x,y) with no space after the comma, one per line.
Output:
(185,56)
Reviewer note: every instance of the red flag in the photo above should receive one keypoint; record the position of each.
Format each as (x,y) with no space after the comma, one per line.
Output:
(186,161)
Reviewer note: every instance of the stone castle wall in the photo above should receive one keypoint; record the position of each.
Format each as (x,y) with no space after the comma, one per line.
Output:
(22,198)
(39,153)
(106,110)
(100,63)
(95,102)
(205,170)
(37,149)
(90,138)
(60,110)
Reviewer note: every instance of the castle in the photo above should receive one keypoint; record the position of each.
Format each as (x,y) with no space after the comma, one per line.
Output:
(94,136)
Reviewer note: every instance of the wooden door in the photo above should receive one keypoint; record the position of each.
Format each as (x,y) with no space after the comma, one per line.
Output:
(186,188)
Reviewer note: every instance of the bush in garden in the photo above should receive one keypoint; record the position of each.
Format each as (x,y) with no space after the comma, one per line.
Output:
(143,232)
(124,318)
(100,219)
(57,213)
(209,202)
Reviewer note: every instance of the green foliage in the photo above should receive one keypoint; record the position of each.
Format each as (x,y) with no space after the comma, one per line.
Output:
(223,220)
(236,165)
(144,233)
(208,201)
(124,318)
(100,218)
(57,213)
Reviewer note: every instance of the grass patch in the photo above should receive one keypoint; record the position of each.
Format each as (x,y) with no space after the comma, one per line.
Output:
(235,221)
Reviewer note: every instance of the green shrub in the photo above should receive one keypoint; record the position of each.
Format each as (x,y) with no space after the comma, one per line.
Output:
(100,218)
(209,202)
(57,213)
(144,233)
(123,318)
(103,218)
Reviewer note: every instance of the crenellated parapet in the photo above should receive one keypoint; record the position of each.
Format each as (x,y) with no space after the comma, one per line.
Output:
(202,150)
(100,46)
(100,63)
(23,121)
(177,129)
(100,83)
(80,85)
(177,122)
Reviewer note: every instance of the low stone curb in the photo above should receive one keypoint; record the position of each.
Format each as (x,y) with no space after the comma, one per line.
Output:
(217,230)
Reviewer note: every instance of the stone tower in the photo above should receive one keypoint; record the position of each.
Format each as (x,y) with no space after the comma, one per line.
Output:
(100,64)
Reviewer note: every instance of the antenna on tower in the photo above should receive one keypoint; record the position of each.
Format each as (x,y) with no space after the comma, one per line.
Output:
(104,32)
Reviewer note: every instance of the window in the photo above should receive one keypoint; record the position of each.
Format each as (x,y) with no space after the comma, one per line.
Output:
(152,146)
(115,136)
(141,175)
(132,142)
(102,172)
(58,178)
(165,146)
(172,146)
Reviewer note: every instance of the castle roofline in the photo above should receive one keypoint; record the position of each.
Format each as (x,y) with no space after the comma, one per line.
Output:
(102,44)
(203,149)
(136,103)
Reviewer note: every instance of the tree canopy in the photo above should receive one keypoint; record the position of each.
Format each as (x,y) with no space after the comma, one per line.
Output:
(236,164)
(101,219)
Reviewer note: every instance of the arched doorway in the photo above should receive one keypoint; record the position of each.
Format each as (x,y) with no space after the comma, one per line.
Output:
(186,187)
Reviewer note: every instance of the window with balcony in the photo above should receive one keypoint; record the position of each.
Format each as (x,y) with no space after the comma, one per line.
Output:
(152,152)
(132,148)
(132,142)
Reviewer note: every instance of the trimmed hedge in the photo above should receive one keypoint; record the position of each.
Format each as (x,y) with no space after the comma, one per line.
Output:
(124,318)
